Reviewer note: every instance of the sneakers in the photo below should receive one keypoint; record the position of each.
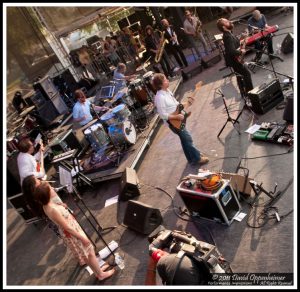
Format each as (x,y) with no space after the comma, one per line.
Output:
(203,160)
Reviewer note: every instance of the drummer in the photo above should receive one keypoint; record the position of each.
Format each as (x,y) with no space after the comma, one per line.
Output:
(120,78)
(82,108)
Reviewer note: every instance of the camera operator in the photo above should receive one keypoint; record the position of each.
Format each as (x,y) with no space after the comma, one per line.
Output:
(187,261)
(175,269)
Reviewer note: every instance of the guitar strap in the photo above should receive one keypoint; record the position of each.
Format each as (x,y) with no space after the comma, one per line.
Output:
(173,129)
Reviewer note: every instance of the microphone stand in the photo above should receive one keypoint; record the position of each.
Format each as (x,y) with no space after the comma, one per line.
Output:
(229,119)
(96,226)
(94,111)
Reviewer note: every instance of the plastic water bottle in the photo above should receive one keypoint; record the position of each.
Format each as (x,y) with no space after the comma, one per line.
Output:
(119,261)
(278,49)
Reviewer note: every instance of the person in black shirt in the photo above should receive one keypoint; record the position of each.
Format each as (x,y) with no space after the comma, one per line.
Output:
(173,46)
(18,102)
(234,54)
(152,43)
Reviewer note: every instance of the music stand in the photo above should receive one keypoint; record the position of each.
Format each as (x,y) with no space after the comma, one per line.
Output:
(66,177)
(229,118)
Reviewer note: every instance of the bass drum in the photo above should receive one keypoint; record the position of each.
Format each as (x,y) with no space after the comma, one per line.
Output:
(122,133)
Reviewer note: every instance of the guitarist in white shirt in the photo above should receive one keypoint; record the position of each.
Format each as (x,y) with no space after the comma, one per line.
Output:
(233,54)
(166,106)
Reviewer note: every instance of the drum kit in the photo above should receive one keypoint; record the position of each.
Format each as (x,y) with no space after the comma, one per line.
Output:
(113,127)
(118,125)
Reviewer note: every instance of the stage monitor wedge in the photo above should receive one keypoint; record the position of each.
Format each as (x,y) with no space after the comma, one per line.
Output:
(142,217)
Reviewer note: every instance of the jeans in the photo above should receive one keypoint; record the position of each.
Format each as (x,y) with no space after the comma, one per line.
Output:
(191,153)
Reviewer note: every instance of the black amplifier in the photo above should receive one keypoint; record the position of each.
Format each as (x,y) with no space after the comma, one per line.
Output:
(265,96)
(18,202)
(211,59)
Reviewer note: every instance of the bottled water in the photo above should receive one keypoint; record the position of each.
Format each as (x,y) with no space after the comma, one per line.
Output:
(119,261)
(278,49)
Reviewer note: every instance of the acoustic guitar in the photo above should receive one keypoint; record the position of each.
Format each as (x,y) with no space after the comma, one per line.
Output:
(181,109)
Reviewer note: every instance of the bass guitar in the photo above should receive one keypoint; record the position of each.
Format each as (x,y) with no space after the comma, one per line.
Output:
(182,109)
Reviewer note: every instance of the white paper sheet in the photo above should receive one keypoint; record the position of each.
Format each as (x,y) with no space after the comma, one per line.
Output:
(253,129)
(111,201)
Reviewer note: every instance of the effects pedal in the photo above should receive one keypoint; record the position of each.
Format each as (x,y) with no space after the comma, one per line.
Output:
(272,133)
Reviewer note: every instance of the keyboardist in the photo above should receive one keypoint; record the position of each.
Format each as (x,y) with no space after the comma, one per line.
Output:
(258,20)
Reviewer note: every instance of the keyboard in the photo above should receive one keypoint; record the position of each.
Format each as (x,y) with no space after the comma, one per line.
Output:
(64,155)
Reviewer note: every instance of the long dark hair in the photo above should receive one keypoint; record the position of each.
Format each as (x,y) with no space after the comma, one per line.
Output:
(28,189)
(42,193)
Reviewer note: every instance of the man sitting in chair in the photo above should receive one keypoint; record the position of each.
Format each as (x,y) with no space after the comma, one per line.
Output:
(82,108)
(256,23)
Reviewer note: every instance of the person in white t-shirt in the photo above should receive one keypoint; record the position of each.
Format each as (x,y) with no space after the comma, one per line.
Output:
(166,105)
(27,162)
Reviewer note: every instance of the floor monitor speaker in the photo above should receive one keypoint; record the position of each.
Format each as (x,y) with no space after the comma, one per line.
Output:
(129,185)
(141,217)
(287,45)
(211,59)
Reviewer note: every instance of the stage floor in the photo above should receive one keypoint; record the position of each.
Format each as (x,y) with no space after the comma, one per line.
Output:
(35,256)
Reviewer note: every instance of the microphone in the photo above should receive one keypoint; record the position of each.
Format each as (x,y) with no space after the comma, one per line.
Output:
(255,27)
(60,188)
(235,21)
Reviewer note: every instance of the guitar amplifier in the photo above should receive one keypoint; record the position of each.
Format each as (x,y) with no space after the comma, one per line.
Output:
(265,96)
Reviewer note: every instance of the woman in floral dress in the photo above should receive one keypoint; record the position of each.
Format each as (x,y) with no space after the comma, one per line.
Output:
(70,231)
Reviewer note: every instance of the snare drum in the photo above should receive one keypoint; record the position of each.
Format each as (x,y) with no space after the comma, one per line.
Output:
(147,77)
(108,119)
(138,91)
(97,136)
(122,133)
(121,112)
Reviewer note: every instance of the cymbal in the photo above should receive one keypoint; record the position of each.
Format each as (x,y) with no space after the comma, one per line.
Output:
(142,67)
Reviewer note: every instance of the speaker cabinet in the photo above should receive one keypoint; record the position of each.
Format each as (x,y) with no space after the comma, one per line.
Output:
(141,217)
(191,70)
(265,96)
(129,185)
(288,114)
(46,87)
(65,81)
(211,59)
(287,45)
(18,202)
(38,100)
(13,177)
(47,113)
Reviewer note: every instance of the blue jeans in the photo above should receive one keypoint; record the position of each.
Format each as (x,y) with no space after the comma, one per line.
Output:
(191,153)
